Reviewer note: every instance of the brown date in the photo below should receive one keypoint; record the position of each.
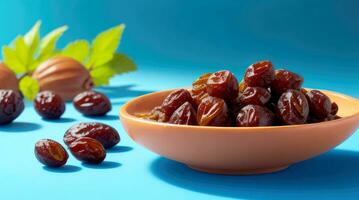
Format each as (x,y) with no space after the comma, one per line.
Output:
(92,103)
(105,134)
(254,115)
(185,115)
(285,80)
(11,106)
(293,107)
(223,84)
(88,150)
(50,153)
(334,109)
(320,105)
(255,96)
(199,88)
(213,111)
(259,74)
(49,105)
(242,86)
(174,100)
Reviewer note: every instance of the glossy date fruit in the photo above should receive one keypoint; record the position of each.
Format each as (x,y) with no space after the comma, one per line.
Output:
(259,74)
(185,115)
(88,150)
(319,104)
(105,134)
(49,105)
(293,107)
(223,84)
(50,153)
(285,80)
(254,115)
(173,101)
(92,103)
(11,106)
(334,109)
(213,111)
(255,96)
(199,88)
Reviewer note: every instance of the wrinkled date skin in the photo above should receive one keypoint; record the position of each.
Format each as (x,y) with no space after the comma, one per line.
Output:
(334,109)
(105,134)
(285,80)
(293,107)
(50,153)
(255,95)
(199,88)
(320,105)
(185,115)
(223,84)
(11,106)
(259,74)
(88,150)
(213,111)
(173,101)
(49,105)
(254,115)
(92,103)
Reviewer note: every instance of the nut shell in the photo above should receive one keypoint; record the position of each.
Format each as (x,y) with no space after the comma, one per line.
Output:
(63,75)
(8,80)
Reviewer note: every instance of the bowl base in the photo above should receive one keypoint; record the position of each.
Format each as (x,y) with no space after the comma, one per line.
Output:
(239,172)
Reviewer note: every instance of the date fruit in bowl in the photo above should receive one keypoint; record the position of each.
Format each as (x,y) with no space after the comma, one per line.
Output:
(92,103)
(50,153)
(105,134)
(275,122)
(49,105)
(8,80)
(238,150)
(11,106)
(88,150)
(64,76)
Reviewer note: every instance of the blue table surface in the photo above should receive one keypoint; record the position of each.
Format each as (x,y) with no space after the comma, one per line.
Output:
(132,172)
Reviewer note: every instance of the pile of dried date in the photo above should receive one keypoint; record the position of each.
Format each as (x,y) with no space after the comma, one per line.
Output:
(86,141)
(265,97)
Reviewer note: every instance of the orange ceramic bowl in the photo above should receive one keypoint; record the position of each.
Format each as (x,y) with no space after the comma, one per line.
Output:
(238,150)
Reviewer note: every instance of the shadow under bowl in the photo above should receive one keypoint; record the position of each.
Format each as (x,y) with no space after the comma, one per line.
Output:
(238,150)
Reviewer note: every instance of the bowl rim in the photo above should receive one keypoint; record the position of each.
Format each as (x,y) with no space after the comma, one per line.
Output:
(124,114)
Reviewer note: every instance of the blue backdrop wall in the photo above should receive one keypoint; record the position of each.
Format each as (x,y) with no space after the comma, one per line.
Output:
(317,38)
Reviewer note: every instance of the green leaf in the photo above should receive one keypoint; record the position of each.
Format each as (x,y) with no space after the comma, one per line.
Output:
(29,87)
(104,46)
(12,61)
(22,51)
(102,75)
(48,43)
(78,50)
(121,63)
(32,38)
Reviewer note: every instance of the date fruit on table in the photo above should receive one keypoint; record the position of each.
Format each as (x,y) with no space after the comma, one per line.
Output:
(49,105)
(103,133)
(255,96)
(88,150)
(50,153)
(285,80)
(92,103)
(11,106)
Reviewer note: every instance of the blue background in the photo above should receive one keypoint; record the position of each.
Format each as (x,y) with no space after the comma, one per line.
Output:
(174,41)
